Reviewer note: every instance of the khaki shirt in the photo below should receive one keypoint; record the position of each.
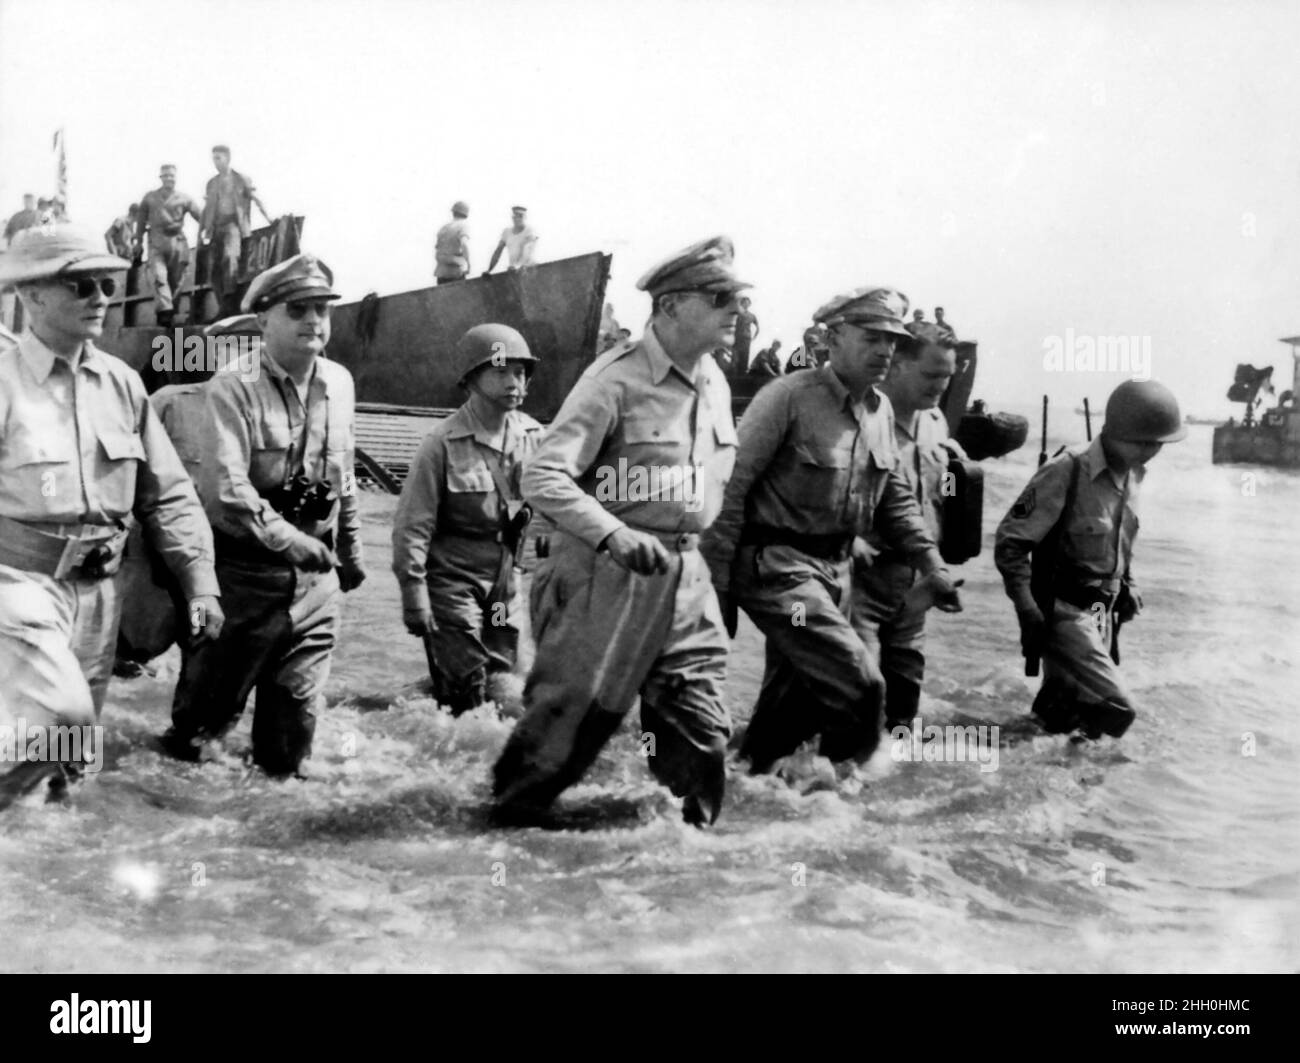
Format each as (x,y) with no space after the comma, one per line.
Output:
(637,443)
(1099,531)
(227,199)
(180,408)
(922,460)
(162,214)
(83,446)
(253,435)
(450,490)
(814,462)
(451,249)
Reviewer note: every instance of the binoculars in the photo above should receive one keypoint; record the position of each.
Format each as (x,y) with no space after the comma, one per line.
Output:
(303,501)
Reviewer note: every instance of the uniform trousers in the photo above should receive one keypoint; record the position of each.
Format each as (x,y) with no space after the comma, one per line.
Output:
(281,623)
(893,633)
(604,635)
(820,678)
(473,595)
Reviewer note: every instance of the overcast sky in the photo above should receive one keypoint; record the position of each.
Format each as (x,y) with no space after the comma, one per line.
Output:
(1040,169)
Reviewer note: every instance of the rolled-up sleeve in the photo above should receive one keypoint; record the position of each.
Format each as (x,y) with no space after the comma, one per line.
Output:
(233,504)
(168,507)
(568,450)
(416,521)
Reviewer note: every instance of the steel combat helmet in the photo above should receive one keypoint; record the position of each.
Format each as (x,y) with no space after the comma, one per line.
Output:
(1143,411)
(491,345)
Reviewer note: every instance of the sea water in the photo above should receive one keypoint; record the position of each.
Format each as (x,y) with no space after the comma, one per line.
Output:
(1173,849)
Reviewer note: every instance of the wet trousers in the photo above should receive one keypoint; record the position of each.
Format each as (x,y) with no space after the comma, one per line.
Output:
(279,633)
(820,678)
(56,657)
(1081,683)
(56,647)
(603,635)
(473,594)
(893,634)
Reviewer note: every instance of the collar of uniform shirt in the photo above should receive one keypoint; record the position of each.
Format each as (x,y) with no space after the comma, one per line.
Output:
(842,394)
(1095,463)
(467,424)
(40,359)
(901,427)
(280,373)
(661,365)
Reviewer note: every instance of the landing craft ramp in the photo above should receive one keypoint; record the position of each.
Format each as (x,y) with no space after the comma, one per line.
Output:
(401,348)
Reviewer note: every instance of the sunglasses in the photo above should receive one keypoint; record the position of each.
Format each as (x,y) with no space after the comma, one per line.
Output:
(717,300)
(297,311)
(85,287)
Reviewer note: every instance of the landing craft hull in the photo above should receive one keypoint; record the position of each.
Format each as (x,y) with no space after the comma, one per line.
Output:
(401,348)
(1258,445)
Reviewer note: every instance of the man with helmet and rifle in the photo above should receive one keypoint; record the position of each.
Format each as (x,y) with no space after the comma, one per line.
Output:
(1077,517)
(460,523)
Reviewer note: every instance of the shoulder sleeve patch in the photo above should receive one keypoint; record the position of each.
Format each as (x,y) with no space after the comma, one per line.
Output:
(1024,504)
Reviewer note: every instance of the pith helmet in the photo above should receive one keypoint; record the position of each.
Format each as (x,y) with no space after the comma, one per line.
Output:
(45,251)
(1143,411)
(491,345)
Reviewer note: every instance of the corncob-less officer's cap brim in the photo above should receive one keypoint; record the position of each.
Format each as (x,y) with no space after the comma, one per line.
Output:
(301,277)
(879,309)
(705,266)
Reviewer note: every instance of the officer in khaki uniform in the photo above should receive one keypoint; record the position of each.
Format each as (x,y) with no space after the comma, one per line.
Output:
(461,518)
(276,479)
(816,470)
(1085,501)
(153,609)
(889,620)
(631,471)
(81,453)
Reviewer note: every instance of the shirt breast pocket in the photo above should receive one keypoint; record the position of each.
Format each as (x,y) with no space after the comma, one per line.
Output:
(469,481)
(269,458)
(880,465)
(652,442)
(45,467)
(821,474)
(1092,539)
(123,451)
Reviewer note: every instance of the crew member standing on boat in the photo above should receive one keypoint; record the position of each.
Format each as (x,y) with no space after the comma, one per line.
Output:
(631,471)
(451,247)
(81,452)
(890,622)
(519,241)
(276,479)
(226,224)
(1081,508)
(816,469)
(162,215)
(461,519)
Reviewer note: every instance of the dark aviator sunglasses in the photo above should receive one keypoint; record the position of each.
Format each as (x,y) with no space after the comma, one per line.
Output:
(85,287)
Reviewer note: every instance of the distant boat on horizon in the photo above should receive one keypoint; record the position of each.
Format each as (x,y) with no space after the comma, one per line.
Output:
(1189,419)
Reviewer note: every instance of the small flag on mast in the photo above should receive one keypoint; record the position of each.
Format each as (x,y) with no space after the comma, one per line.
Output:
(61,166)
